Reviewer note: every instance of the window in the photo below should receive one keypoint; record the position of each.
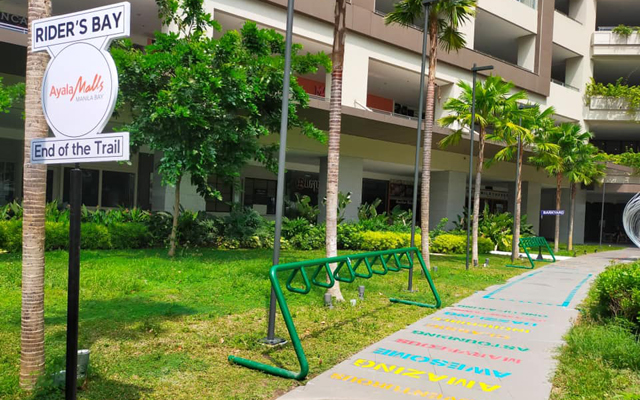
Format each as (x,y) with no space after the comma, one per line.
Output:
(118,189)
(7,182)
(226,194)
(260,194)
(90,186)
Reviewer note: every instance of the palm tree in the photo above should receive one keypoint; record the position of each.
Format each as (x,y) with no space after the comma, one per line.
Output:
(34,197)
(568,137)
(335,127)
(588,166)
(493,107)
(445,19)
(531,121)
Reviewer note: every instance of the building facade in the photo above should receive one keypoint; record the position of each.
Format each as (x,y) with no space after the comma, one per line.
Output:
(550,48)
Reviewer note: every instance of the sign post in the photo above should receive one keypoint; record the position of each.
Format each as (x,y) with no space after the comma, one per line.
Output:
(79,93)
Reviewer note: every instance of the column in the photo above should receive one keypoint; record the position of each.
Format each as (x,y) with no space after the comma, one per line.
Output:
(349,180)
(527,52)
(355,73)
(531,194)
(447,197)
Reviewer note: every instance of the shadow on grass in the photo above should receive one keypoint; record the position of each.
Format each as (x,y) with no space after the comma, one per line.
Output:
(96,388)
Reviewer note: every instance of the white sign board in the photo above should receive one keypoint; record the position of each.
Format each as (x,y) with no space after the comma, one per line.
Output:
(80,85)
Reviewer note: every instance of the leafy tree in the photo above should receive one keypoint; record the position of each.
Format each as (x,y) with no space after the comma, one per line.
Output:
(445,19)
(335,127)
(568,137)
(206,102)
(589,165)
(494,108)
(531,122)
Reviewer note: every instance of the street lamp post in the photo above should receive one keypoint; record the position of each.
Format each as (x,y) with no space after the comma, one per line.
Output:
(416,172)
(472,131)
(515,246)
(271,338)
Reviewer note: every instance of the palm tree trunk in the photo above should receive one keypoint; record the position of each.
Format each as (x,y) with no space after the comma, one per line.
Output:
(34,198)
(335,127)
(571,216)
(515,249)
(176,214)
(476,197)
(556,237)
(428,139)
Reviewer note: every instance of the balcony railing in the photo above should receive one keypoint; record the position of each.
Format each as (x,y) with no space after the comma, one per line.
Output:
(557,82)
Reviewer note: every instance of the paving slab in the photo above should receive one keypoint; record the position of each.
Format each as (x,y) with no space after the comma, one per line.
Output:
(498,344)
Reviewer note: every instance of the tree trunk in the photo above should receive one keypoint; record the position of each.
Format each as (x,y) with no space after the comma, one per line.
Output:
(515,249)
(34,198)
(556,237)
(571,216)
(176,214)
(428,139)
(476,197)
(335,127)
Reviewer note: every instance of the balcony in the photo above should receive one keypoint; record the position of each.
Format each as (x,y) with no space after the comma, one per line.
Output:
(607,43)
(604,108)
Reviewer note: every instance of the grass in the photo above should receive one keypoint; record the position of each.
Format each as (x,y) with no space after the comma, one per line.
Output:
(162,329)
(599,361)
(582,249)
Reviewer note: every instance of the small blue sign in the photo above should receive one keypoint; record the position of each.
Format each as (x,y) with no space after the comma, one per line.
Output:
(551,212)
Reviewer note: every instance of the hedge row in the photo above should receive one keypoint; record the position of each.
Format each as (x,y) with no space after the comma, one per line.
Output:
(131,235)
(616,294)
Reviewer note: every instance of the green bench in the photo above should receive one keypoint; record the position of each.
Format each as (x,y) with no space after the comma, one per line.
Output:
(303,274)
(529,243)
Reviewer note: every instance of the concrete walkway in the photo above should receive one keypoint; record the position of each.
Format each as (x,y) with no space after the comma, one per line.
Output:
(497,344)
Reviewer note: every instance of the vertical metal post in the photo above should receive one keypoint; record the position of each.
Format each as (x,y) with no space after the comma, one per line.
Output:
(472,131)
(73,293)
(416,172)
(604,185)
(271,339)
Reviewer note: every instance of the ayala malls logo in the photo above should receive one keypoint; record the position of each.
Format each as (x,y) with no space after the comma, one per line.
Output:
(82,90)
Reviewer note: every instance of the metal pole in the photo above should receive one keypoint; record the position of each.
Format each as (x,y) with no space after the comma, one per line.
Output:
(73,294)
(271,339)
(514,245)
(416,172)
(472,132)
(604,185)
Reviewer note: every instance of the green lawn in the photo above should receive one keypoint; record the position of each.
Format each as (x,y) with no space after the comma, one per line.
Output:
(162,329)
(582,249)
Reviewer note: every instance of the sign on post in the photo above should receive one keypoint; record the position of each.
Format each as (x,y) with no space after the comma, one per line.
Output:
(80,85)
(79,93)
(551,212)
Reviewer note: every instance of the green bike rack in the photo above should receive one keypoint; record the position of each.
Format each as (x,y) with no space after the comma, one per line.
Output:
(346,271)
(529,242)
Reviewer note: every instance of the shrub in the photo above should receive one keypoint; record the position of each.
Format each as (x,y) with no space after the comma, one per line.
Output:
(11,235)
(242,223)
(159,228)
(349,236)
(314,239)
(295,227)
(130,235)
(449,244)
(616,294)
(371,240)
(95,237)
(57,235)
(457,244)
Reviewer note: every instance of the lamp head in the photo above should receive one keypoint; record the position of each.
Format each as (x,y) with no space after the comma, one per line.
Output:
(481,68)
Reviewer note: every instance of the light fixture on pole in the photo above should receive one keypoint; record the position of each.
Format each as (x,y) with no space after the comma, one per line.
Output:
(515,246)
(271,338)
(472,131)
(427,4)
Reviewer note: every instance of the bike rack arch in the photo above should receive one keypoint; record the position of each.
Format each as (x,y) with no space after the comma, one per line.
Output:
(375,263)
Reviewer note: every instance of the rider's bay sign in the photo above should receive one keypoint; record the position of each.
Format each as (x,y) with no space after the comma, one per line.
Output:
(80,86)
